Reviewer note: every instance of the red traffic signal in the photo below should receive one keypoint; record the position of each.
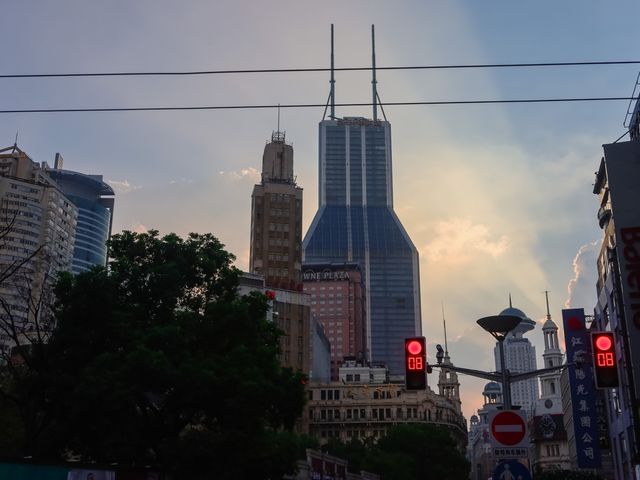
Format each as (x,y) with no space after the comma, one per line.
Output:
(415,363)
(605,364)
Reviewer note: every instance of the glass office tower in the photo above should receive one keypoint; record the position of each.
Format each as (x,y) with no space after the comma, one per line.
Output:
(95,201)
(355,222)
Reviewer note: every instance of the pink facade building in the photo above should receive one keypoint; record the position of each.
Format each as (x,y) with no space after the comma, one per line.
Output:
(337,302)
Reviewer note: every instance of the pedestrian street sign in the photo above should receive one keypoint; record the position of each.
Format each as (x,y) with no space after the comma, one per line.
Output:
(511,470)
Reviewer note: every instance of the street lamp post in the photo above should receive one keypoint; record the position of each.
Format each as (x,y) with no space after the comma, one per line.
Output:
(499,327)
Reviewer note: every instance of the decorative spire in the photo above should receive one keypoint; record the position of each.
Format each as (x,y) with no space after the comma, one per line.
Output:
(546,294)
(510,305)
(444,324)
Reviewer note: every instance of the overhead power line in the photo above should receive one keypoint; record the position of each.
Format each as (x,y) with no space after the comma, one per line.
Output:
(315,69)
(311,105)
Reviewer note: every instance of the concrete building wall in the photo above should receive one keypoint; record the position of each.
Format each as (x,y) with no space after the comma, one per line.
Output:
(364,409)
(618,188)
(38,225)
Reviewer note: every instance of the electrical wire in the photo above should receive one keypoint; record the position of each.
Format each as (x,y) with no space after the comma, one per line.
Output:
(311,105)
(316,69)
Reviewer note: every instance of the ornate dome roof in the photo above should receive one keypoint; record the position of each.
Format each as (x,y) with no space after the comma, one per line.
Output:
(525,325)
(492,387)
(516,312)
(549,325)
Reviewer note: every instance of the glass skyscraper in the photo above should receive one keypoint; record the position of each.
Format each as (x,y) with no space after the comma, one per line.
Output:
(355,222)
(95,201)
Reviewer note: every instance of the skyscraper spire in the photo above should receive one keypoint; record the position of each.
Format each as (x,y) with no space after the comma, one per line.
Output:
(355,190)
(373,70)
(332,82)
(510,305)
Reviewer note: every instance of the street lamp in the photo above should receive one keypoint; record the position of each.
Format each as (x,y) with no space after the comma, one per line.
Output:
(499,327)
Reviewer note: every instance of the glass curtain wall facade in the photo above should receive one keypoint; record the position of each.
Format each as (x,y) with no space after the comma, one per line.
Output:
(95,201)
(355,222)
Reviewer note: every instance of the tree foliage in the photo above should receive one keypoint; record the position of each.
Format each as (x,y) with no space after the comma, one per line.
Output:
(412,451)
(157,360)
(567,475)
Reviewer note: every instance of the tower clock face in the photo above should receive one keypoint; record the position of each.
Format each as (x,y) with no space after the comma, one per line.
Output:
(547,426)
(548,403)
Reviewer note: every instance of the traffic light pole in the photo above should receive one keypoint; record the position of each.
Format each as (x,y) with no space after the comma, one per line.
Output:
(505,376)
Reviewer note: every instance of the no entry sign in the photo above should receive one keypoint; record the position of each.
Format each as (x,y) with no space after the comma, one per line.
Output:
(508,428)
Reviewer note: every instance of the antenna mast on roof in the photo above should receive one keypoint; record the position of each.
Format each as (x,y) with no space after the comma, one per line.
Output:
(278,136)
(373,69)
(331,101)
(333,82)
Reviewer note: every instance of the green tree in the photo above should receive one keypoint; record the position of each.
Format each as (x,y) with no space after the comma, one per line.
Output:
(433,451)
(406,452)
(567,475)
(158,360)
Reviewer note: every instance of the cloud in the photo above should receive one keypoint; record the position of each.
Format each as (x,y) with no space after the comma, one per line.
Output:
(181,180)
(458,241)
(248,173)
(140,228)
(123,187)
(581,288)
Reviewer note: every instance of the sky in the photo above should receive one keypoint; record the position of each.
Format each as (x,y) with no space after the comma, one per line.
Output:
(497,198)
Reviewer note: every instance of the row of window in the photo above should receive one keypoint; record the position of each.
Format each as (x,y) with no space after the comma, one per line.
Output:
(279,212)
(24,188)
(364,414)
(352,433)
(278,272)
(286,357)
(279,257)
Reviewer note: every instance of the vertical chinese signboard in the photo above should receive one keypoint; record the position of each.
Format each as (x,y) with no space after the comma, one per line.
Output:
(583,395)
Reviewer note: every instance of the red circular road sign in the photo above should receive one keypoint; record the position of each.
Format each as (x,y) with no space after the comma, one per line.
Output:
(508,428)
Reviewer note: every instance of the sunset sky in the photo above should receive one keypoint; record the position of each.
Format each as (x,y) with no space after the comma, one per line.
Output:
(497,198)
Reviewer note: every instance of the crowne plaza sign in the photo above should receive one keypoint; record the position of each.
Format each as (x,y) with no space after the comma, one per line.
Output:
(324,275)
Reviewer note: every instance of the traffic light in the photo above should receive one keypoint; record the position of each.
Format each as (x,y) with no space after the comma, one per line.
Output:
(415,363)
(605,365)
